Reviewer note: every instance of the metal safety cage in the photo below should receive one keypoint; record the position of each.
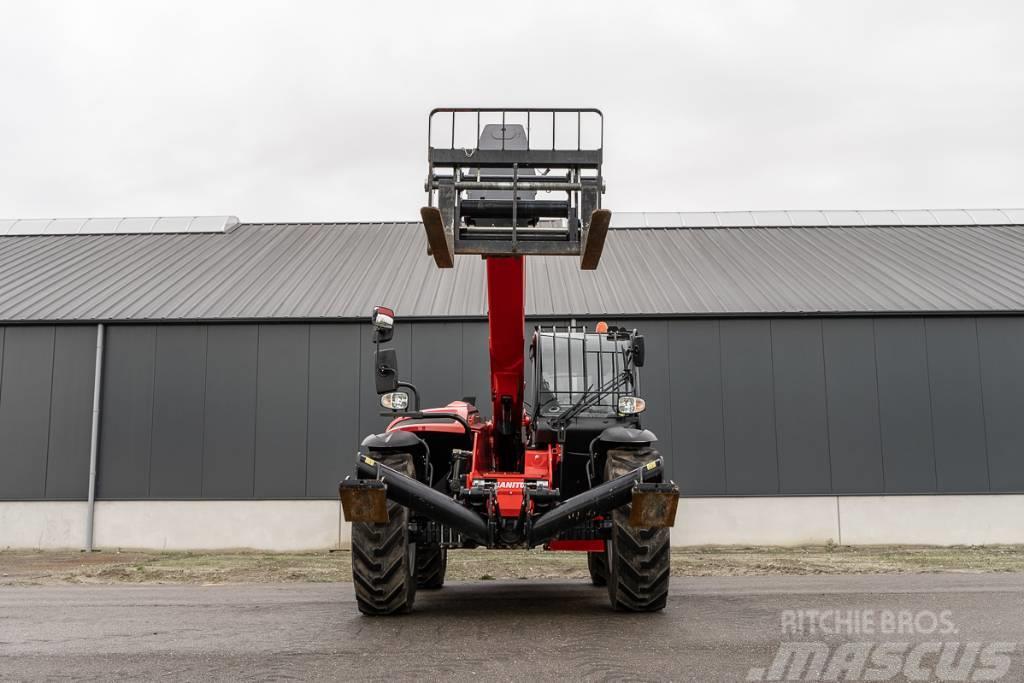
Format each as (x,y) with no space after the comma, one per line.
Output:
(487,169)
(586,369)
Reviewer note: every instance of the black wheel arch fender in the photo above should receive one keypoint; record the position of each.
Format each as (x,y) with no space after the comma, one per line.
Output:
(617,437)
(626,436)
(400,441)
(397,440)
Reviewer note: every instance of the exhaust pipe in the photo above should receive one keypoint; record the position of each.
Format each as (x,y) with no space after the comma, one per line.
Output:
(598,500)
(426,501)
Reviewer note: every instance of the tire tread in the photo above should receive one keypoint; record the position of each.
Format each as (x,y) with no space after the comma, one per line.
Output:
(640,562)
(381,573)
(431,565)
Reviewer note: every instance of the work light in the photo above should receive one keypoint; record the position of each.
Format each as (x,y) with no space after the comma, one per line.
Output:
(631,405)
(395,400)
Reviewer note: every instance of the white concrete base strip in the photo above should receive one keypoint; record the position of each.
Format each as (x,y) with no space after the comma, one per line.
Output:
(217,524)
(782,520)
(42,524)
(279,525)
(291,525)
(932,520)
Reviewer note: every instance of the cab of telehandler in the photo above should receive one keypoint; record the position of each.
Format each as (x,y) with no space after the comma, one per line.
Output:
(584,382)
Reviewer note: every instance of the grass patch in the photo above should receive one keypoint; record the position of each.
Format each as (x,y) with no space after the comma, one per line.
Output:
(34,567)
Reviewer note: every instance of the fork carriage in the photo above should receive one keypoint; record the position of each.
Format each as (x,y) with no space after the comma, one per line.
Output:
(484,198)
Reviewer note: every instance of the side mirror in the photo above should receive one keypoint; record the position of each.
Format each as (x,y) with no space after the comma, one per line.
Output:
(395,401)
(383,320)
(385,362)
(638,351)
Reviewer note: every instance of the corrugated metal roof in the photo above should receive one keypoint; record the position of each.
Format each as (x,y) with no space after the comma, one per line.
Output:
(309,271)
(830,218)
(119,226)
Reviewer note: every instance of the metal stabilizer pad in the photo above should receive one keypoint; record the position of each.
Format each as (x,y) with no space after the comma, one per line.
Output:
(364,500)
(654,505)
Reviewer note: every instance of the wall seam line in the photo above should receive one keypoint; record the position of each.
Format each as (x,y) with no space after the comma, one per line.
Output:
(309,351)
(775,410)
(981,396)
(668,392)
(931,409)
(828,411)
(256,411)
(721,394)
(359,386)
(878,403)
(49,413)
(152,414)
(202,421)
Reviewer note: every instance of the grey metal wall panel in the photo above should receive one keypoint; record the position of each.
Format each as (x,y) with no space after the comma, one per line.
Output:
(179,392)
(333,407)
(126,412)
(74,358)
(3,453)
(25,410)
(854,433)
(695,388)
(282,411)
(961,461)
(801,420)
(476,364)
(436,361)
(749,407)
(229,425)
(904,403)
(370,420)
(1002,379)
(877,380)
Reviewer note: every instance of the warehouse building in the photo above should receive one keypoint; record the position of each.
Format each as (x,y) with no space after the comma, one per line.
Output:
(848,376)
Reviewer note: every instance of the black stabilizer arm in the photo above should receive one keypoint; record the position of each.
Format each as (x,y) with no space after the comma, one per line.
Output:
(425,500)
(596,501)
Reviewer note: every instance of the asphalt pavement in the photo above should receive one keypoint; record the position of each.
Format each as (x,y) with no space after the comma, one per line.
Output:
(728,629)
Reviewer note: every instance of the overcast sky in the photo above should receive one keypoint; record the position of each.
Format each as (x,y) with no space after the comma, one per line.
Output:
(308,111)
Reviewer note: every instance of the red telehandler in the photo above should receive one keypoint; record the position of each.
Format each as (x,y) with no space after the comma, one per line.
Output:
(572,469)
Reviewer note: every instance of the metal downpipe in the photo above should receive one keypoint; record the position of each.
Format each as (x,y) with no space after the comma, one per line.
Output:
(94,438)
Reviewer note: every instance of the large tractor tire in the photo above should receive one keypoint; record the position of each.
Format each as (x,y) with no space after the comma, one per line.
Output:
(597,563)
(431,564)
(383,560)
(639,560)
